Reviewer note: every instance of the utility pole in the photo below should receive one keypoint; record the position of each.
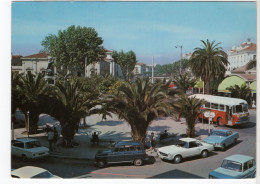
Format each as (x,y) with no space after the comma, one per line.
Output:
(152,69)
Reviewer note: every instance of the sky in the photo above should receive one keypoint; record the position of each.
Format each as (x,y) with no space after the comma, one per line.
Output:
(148,28)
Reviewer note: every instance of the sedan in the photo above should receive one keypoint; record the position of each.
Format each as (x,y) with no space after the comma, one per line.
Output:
(28,148)
(32,172)
(222,138)
(187,147)
(235,166)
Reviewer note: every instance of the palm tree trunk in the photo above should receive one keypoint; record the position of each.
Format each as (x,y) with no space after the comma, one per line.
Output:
(139,132)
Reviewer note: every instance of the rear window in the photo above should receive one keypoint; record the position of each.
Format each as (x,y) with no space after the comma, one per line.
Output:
(231,165)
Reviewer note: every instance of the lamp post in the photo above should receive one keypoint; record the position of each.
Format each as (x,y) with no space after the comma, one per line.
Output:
(28,113)
(180,46)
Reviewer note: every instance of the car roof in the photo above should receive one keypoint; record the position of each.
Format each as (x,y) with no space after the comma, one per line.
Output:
(239,158)
(121,143)
(188,139)
(27,171)
(26,139)
(218,130)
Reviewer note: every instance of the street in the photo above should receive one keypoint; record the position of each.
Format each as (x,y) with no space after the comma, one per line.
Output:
(195,167)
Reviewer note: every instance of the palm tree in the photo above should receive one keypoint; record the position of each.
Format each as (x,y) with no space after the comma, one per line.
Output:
(69,102)
(138,103)
(190,108)
(242,92)
(184,81)
(30,88)
(209,62)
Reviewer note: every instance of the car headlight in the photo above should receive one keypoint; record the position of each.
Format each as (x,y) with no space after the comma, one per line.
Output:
(217,144)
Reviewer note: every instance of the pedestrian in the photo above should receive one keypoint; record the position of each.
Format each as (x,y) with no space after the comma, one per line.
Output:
(253,105)
(55,136)
(50,138)
(152,142)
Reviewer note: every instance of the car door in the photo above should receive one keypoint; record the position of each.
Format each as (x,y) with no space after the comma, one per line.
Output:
(229,138)
(249,169)
(194,149)
(117,155)
(129,153)
(18,148)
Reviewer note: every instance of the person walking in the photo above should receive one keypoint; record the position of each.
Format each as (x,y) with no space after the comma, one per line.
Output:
(50,138)
(152,142)
(55,137)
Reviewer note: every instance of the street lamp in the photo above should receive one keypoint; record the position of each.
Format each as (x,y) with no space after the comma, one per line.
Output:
(28,113)
(180,46)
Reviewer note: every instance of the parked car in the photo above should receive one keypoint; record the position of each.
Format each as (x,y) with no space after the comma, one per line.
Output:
(124,151)
(32,172)
(235,166)
(187,147)
(222,138)
(28,148)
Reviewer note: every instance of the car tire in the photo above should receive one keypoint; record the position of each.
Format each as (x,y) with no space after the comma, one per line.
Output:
(177,159)
(101,164)
(204,153)
(138,162)
(223,148)
(220,121)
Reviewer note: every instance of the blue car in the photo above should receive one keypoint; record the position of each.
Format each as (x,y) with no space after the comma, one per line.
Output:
(235,166)
(222,139)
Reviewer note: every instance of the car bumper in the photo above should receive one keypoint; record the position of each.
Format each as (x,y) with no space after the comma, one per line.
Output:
(163,157)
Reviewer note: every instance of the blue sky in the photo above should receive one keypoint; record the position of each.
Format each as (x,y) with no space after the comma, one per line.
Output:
(147,28)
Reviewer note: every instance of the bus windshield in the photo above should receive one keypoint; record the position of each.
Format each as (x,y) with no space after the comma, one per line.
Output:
(240,108)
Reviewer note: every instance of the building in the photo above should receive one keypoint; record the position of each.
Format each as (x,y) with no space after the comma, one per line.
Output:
(104,67)
(36,63)
(187,56)
(241,55)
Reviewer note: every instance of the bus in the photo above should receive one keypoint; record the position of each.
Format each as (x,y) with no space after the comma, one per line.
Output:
(228,111)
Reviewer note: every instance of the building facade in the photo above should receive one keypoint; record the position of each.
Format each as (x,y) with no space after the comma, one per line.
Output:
(241,55)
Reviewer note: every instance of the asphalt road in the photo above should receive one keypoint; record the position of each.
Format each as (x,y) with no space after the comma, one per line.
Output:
(195,167)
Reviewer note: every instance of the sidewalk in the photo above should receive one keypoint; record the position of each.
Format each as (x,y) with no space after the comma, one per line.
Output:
(113,129)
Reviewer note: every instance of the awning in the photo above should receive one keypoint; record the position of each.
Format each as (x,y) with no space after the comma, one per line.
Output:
(230,81)
(253,87)
(199,84)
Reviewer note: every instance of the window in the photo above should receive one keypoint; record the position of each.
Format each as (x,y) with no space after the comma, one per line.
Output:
(19,144)
(193,145)
(29,72)
(222,107)
(129,148)
(119,149)
(214,106)
(198,143)
(245,166)
(207,105)
(137,148)
(250,163)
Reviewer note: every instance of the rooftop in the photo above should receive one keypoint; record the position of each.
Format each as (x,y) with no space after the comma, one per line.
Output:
(239,158)
(39,55)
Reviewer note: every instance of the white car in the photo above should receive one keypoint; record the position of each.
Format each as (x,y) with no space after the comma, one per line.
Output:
(187,147)
(28,148)
(32,172)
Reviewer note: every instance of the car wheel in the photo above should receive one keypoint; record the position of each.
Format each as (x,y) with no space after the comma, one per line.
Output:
(220,122)
(235,140)
(138,162)
(101,164)
(223,148)
(204,153)
(177,159)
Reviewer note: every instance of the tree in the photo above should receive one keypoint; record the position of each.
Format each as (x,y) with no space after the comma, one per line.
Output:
(138,103)
(189,107)
(242,92)
(30,89)
(209,62)
(126,61)
(72,46)
(184,81)
(15,81)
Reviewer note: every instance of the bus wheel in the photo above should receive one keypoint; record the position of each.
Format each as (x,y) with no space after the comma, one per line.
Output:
(220,122)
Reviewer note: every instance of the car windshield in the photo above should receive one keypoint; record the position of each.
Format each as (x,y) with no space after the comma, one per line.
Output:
(231,165)
(33,144)
(182,144)
(45,174)
(218,133)
(245,107)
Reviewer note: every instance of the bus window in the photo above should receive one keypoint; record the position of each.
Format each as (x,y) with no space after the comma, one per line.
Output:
(222,107)
(239,108)
(207,105)
(245,107)
(214,106)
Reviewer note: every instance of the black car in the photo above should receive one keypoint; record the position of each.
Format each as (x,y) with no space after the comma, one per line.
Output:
(122,152)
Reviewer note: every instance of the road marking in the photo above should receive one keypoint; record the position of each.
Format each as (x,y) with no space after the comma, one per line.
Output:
(142,176)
